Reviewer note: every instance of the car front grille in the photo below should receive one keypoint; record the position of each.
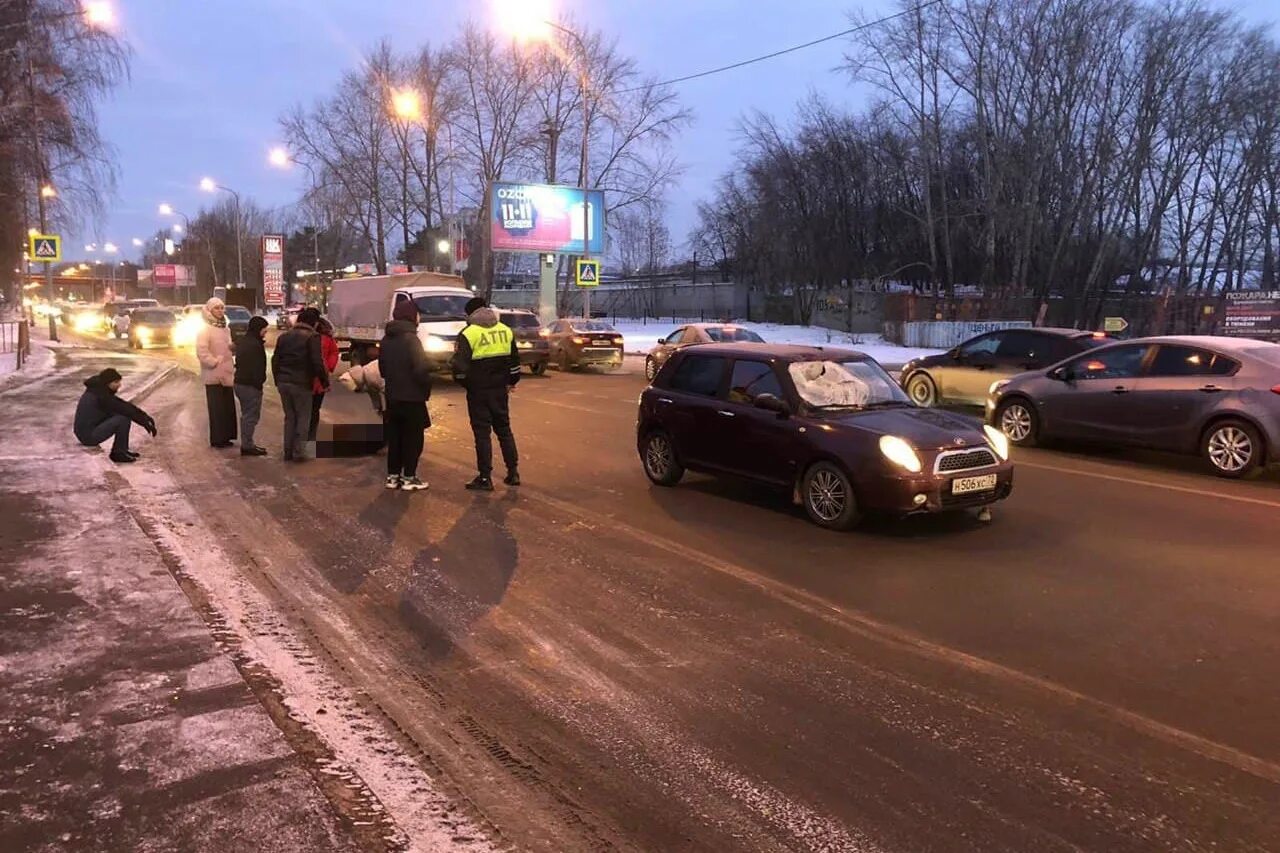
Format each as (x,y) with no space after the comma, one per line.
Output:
(955,461)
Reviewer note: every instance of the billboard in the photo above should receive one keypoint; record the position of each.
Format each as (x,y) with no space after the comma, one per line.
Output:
(1252,314)
(272,269)
(165,275)
(544,218)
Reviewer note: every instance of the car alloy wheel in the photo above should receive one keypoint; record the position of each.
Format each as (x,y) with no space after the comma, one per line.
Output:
(1232,449)
(660,463)
(1016,422)
(650,368)
(921,390)
(828,497)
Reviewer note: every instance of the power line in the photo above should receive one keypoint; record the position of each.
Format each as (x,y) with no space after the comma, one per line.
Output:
(787,50)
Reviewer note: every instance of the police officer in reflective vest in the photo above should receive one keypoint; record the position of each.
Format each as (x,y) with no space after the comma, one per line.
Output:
(487,364)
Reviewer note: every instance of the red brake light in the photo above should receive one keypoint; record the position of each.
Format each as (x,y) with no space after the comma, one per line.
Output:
(1275,389)
(1099,335)
(544,333)
(578,339)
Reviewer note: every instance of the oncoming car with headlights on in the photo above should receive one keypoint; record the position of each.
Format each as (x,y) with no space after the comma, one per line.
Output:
(828,425)
(151,327)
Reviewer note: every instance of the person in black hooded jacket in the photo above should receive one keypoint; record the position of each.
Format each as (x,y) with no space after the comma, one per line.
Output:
(406,374)
(101,414)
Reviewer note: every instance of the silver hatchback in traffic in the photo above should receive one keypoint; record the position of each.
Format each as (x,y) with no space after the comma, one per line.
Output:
(1219,397)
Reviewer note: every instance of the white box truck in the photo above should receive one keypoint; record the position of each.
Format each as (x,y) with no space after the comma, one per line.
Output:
(359,309)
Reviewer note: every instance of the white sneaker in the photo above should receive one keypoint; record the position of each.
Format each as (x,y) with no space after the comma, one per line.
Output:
(393,482)
(412,484)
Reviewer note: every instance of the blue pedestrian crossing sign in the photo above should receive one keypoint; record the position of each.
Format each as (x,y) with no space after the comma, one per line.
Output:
(44,247)
(588,273)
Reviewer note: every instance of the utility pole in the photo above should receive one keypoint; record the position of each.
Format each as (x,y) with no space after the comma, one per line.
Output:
(40,190)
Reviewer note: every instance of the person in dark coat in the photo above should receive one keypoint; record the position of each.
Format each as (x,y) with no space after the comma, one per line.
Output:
(406,375)
(101,414)
(251,375)
(296,364)
(487,364)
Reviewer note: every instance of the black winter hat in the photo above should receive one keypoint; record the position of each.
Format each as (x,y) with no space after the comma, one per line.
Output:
(310,316)
(108,376)
(257,324)
(474,304)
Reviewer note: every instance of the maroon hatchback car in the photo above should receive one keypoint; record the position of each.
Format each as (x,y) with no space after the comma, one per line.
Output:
(829,425)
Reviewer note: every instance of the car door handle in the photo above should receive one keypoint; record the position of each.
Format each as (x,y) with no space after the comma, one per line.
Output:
(1120,389)
(1210,389)
(666,400)
(722,413)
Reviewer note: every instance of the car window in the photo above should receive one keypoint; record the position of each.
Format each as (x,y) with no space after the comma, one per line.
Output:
(442,307)
(153,316)
(750,380)
(519,321)
(854,383)
(1060,349)
(674,337)
(727,334)
(987,343)
(591,326)
(699,374)
(690,336)
(1189,361)
(235,312)
(1116,363)
(1019,345)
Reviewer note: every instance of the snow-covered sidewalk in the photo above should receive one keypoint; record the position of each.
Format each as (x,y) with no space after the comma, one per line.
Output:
(641,336)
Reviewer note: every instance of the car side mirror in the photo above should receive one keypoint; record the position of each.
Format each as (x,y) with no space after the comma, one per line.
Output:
(1062,374)
(772,403)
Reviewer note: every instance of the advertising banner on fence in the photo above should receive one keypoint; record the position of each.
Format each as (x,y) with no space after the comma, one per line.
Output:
(272,269)
(544,218)
(1253,314)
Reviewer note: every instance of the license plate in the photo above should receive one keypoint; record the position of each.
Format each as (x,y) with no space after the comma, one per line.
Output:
(524,345)
(965,485)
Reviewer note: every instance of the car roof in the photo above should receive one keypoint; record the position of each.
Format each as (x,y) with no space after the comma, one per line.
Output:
(514,310)
(784,352)
(1219,342)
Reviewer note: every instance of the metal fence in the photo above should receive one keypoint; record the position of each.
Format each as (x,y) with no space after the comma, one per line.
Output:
(946,334)
(15,338)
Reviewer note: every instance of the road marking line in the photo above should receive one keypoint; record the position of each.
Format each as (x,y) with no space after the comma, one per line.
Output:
(873,629)
(1151,483)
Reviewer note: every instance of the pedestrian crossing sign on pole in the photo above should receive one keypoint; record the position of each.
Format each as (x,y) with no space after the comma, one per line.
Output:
(46,248)
(588,273)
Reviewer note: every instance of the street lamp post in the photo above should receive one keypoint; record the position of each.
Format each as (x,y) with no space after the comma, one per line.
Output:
(209,186)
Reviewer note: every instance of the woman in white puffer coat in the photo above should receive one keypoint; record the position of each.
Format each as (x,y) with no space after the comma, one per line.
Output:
(218,372)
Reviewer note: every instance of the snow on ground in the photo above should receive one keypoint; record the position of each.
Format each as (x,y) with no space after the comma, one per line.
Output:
(642,336)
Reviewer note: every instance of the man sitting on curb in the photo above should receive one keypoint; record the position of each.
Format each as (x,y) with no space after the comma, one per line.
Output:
(100,414)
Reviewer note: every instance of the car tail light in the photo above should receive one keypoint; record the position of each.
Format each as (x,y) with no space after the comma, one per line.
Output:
(546,333)
(618,341)
(579,340)
(1275,389)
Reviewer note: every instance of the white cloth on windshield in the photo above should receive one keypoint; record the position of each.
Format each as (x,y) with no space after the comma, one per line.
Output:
(829,383)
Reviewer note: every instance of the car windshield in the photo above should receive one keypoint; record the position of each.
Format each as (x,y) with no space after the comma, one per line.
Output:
(235,312)
(154,317)
(442,307)
(520,321)
(728,334)
(591,325)
(850,384)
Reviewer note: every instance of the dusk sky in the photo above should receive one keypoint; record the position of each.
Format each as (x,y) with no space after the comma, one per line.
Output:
(210,79)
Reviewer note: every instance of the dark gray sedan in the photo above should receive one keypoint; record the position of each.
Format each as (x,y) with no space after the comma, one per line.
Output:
(1218,397)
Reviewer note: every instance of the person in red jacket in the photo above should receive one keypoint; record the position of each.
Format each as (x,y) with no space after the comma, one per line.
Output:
(329,352)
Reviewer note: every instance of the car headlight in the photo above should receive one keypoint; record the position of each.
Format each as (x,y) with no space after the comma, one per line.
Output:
(144,333)
(900,453)
(434,343)
(997,385)
(999,441)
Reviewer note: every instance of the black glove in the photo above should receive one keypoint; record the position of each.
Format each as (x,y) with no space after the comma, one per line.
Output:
(150,426)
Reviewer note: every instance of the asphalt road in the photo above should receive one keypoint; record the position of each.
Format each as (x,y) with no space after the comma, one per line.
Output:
(597,663)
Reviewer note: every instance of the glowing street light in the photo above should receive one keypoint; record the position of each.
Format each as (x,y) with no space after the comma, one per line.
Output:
(99,14)
(178,228)
(91,248)
(443,247)
(524,20)
(279,157)
(407,104)
(31,232)
(137,243)
(47,191)
(166,210)
(209,185)
(110,248)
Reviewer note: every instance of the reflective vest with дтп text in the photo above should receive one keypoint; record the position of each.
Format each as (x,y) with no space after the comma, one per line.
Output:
(491,342)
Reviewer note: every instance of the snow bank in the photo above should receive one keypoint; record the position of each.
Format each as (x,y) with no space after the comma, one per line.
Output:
(642,336)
